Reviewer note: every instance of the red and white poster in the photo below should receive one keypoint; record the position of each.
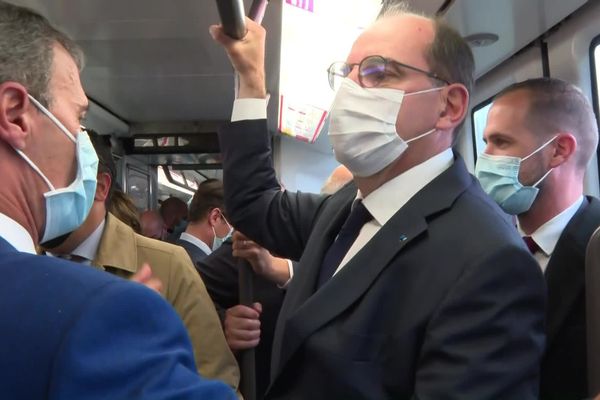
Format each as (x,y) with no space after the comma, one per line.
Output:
(314,34)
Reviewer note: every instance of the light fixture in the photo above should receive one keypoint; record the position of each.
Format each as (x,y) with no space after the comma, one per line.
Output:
(482,39)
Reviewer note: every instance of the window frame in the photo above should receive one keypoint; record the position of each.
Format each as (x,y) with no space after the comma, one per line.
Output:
(476,108)
(594,80)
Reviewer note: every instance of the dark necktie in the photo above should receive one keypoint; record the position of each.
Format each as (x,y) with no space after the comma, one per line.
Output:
(531,244)
(347,235)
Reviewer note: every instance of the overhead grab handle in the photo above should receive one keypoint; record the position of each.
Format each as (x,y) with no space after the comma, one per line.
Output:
(231,13)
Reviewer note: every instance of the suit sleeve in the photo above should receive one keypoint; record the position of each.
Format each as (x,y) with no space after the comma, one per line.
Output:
(128,343)
(193,304)
(279,221)
(487,338)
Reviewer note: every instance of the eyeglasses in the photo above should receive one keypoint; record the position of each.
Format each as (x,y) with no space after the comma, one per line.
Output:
(374,71)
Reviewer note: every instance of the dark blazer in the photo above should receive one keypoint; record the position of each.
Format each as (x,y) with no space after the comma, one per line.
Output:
(77,333)
(565,363)
(195,252)
(444,302)
(219,272)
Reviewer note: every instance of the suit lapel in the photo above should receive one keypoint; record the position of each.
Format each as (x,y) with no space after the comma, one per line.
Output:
(565,274)
(329,224)
(308,312)
(116,235)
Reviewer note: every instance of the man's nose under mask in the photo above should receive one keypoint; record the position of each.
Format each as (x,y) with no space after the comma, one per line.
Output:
(362,127)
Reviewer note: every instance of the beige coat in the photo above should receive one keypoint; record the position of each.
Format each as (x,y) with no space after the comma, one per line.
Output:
(122,252)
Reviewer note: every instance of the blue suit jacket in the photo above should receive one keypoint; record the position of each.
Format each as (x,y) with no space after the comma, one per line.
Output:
(72,332)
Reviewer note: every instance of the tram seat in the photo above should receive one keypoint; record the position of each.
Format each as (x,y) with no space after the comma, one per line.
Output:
(592,283)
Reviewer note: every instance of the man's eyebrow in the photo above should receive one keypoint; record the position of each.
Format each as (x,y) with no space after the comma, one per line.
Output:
(499,135)
(84,108)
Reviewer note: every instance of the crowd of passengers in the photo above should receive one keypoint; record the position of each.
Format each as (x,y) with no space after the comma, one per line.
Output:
(405,278)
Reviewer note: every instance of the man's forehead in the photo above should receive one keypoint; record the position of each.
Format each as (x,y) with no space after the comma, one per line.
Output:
(399,36)
(514,103)
(507,115)
(65,75)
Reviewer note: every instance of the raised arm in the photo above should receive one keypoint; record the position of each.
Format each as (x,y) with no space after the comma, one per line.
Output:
(279,221)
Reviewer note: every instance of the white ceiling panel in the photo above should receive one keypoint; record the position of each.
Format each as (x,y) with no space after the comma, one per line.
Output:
(153,60)
(516,22)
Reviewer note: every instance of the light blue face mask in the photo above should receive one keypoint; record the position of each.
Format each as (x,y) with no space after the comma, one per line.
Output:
(217,241)
(499,178)
(67,208)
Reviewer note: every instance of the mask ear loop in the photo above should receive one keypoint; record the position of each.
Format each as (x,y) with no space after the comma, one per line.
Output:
(435,89)
(227,222)
(538,149)
(420,136)
(36,169)
(543,177)
(48,114)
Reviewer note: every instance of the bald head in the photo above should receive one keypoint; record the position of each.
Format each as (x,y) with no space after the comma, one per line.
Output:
(173,210)
(152,224)
(338,178)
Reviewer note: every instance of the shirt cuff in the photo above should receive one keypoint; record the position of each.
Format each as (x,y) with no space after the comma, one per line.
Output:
(246,109)
(291,269)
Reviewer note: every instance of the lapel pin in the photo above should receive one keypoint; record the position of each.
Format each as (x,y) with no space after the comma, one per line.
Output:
(403,237)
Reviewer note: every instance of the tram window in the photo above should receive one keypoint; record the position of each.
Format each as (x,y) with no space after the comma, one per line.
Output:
(595,69)
(595,60)
(478,121)
(138,187)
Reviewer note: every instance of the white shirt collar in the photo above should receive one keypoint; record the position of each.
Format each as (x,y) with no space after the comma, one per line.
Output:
(89,247)
(547,235)
(16,235)
(195,241)
(386,200)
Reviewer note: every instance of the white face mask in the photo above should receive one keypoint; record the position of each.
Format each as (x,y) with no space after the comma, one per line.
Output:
(499,178)
(67,208)
(218,241)
(362,127)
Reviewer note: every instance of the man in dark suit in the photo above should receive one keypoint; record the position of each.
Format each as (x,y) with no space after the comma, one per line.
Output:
(207,228)
(253,326)
(411,282)
(243,330)
(66,331)
(545,129)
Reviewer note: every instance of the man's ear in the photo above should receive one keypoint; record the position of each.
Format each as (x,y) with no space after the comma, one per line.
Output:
(564,148)
(213,216)
(103,186)
(455,106)
(15,122)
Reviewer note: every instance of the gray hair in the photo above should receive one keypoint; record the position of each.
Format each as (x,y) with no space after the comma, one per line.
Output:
(390,8)
(449,55)
(26,50)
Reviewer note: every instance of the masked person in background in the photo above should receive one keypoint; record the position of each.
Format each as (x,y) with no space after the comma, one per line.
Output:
(540,136)
(174,213)
(412,283)
(67,331)
(207,228)
(106,243)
